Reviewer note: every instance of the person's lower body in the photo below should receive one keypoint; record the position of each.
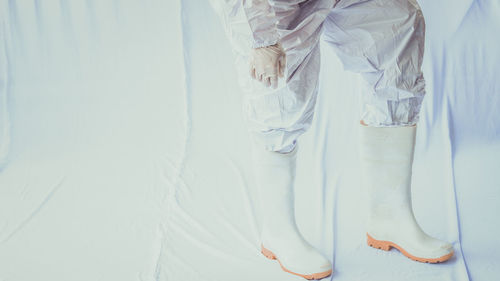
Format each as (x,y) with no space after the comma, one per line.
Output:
(383,40)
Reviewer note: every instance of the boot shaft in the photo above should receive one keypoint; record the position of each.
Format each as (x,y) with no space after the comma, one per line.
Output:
(386,158)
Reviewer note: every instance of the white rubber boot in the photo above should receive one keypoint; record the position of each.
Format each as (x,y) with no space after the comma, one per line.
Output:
(281,239)
(386,163)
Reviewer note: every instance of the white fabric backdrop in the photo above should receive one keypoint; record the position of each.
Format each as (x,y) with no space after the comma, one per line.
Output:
(124,155)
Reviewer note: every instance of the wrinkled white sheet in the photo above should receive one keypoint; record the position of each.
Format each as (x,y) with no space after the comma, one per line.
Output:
(127,159)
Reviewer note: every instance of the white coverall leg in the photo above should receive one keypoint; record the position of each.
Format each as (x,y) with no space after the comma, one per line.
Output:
(277,117)
(383,40)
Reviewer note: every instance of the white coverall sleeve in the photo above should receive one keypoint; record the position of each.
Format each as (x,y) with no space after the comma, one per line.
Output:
(262,21)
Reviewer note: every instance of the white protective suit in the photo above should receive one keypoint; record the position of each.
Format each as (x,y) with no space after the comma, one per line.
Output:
(383,40)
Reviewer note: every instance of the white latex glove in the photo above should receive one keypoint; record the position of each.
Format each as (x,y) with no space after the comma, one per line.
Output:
(267,64)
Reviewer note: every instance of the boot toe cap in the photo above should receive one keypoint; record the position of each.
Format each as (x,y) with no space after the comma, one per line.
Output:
(308,264)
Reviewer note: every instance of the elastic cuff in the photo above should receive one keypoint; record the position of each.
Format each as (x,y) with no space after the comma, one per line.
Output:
(260,43)
(389,125)
(264,156)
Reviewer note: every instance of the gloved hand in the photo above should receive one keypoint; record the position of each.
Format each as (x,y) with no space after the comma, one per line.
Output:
(267,64)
